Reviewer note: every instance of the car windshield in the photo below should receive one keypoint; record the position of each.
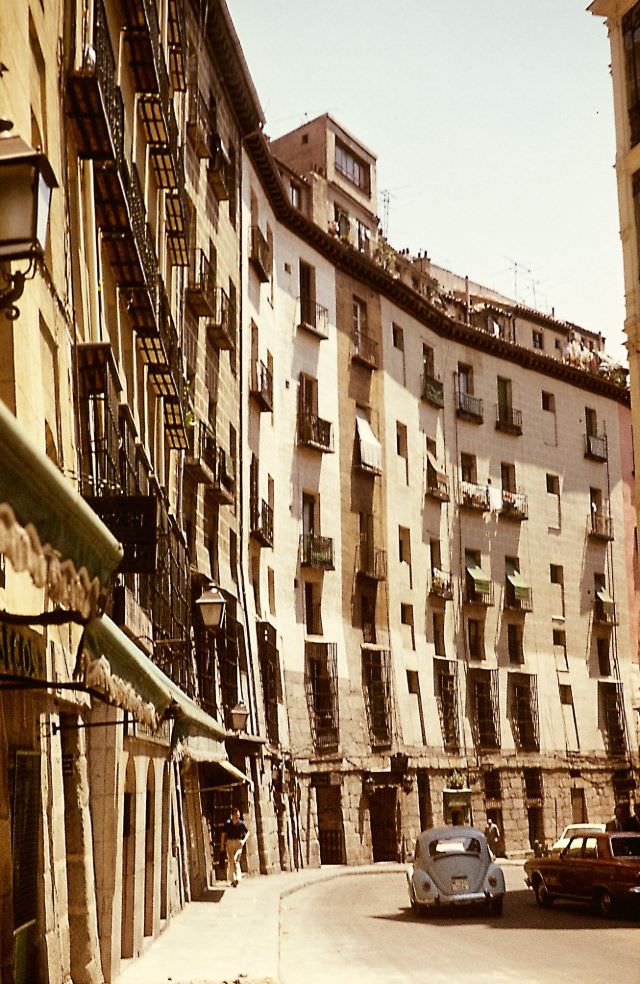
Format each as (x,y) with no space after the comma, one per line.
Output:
(625,847)
(454,845)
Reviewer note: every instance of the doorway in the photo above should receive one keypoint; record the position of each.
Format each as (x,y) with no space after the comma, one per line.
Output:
(384,820)
(330,829)
(128,863)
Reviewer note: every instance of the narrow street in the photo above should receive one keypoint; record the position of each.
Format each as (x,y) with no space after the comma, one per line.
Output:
(362,929)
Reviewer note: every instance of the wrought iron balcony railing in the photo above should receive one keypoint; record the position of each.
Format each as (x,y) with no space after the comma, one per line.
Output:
(508,419)
(224,482)
(316,551)
(221,328)
(261,388)
(441,585)
(364,350)
(200,122)
(371,561)
(515,505)
(314,317)
(600,525)
(314,432)
(595,447)
(262,522)
(469,407)
(473,496)
(261,255)
(200,459)
(200,294)
(220,171)
(432,390)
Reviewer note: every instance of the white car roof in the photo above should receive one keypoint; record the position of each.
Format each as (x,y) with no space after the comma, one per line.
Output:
(445,833)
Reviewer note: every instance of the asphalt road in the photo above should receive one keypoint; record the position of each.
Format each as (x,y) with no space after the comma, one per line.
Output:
(360,930)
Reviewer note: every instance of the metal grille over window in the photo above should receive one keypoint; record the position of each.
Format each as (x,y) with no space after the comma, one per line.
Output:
(270,673)
(524,711)
(486,707)
(612,707)
(446,690)
(321,685)
(376,673)
(25,837)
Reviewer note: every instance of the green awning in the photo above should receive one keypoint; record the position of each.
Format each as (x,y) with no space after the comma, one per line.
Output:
(47,528)
(520,587)
(481,582)
(103,639)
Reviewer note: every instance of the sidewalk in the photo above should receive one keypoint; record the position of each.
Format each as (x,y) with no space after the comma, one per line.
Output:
(235,933)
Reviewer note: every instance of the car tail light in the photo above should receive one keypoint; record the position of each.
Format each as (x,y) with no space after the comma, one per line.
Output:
(493,881)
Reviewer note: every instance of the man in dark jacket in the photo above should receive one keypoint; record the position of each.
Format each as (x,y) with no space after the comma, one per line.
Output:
(234,836)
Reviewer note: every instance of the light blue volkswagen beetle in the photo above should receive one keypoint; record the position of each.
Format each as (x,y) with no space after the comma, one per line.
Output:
(453,866)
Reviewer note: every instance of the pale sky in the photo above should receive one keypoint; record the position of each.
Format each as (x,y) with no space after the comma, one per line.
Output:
(492,121)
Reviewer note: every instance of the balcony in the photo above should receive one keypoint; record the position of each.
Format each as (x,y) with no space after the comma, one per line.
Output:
(314,318)
(200,294)
(441,585)
(314,432)
(469,407)
(364,350)
(595,447)
(437,483)
(220,171)
(261,255)
(261,387)
(262,522)
(94,100)
(176,211)
(371,561)
(515,505)
(600,526)
(432,390)
(222,489)
(221,329)
(316,551)
(604,608)
(177,39)
(200,459)
(508,419)
(473,496)
(200,122)
(478,588)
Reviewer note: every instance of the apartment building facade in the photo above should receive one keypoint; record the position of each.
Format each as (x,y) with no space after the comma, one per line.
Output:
(481,455)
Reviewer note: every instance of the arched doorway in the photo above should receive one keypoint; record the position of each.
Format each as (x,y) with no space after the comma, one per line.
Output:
(165,858)
(128,862)
(149,849)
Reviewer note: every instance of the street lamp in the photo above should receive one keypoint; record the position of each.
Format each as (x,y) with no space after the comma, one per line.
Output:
(239,715)
(26,183)
(211,604)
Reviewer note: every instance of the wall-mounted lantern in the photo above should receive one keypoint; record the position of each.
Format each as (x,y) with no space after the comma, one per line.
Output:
(239,716)
(211,605)
(26,183)
(368,784)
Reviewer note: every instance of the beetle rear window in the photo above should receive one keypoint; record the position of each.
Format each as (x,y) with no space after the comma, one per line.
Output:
(625,847)
(454,845)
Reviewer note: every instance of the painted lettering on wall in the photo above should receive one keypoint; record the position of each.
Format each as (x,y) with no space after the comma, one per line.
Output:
(21,653)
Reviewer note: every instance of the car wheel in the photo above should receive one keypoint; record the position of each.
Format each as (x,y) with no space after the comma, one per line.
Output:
(496,906)
(542,895)
(412,899)
(604,902)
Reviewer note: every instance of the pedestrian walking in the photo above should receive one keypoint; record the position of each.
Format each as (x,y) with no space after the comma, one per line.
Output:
(618,818)
(234,836)
(492,835)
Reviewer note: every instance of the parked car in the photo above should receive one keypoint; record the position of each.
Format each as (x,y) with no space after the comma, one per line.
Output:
(599,868)
(572,830)
(453,866)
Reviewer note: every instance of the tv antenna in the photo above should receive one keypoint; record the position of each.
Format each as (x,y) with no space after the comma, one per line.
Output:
(517,267)
(386,195)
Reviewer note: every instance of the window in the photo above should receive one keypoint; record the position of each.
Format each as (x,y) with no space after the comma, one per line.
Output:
(398,337)
(360,323)
(468,468)
(404,545)
(428,365)
(560,649)
(413,686)
(270,675)
(604,661)
(591,421)
(504,395)
(352,167)
(363,236)
(406,617)
(556,576)
(524,711)
(445,685)
(631,40)
(514,643)
(295,194)
(271,584)
(402,449)
(436,554)
(555,514)
(465,379)
(553,484)
(376,680)
(483,685)
(538,340)
(439,647)
(307,294)
(548,402)
(322,693)
(475,638)
(508,477)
